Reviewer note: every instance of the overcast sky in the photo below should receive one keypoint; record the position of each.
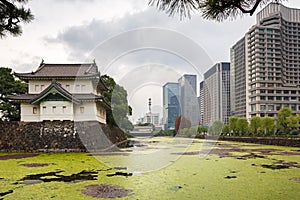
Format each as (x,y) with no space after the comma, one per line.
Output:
(137,45)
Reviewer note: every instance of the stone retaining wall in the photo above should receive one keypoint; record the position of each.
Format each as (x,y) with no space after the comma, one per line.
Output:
(58,136)
(290,142)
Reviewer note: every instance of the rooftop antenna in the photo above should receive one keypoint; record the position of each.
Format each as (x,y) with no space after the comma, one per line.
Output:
(149,105)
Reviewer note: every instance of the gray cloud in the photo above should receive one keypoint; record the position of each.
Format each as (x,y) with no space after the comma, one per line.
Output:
(124,46)
(216,38)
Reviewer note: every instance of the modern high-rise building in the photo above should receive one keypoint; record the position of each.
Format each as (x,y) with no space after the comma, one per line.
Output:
(238,79)
(188,98)
(200,102)
(216,94)
(272,63)
(171,104)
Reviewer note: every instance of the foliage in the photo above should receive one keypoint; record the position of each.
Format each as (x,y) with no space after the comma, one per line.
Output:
(233,124)
(282,119)
(165,133)
(293,124)
(9,85)
(267,124)
(117,97)
(202,129)
(216,128)
(211,9)
(255,124)
(209,170)
(242,126)
(226,130)
(12,12)
(188,132)
(181,122)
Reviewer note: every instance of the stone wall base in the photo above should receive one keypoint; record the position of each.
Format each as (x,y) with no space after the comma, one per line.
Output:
(290,142)
(59,136)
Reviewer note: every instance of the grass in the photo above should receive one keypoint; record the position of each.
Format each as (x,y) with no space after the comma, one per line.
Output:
(160,172)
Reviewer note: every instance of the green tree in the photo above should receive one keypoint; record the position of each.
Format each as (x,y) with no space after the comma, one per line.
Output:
(268,124)
(12,12)
(211,9)
(226,130)
(201,129)
(117,97)
(242,126)
(282,119)
(255,124)
(216,128)
(9,85)
(233,125)
(293,123)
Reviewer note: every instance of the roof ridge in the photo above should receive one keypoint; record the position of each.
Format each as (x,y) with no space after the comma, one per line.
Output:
(68,63)
(59,88)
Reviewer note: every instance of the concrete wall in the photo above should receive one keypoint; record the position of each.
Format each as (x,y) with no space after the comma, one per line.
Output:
(59,136)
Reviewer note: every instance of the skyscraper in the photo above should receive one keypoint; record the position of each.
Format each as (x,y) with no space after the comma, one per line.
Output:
(272,63)
(171,104)
(238,79)
(216,93)
(188,98)
(201,103)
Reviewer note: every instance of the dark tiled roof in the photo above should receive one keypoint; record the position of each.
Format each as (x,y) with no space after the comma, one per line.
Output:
(76,98)
(81,97)
(57,88)
(62,71)
(22,97)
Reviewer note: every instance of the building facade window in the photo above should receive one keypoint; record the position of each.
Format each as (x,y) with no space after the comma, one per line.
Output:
(35,110)
(64,108)
(81,109)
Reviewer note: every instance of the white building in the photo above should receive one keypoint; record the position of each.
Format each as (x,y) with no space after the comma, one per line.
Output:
(266,64)
(63,92)
(151,118)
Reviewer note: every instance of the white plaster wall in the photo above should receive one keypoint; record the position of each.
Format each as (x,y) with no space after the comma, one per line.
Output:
(37,86)
(48,112)
(101,114)
(89,114)
(77,86)
(73,86)
(27,113)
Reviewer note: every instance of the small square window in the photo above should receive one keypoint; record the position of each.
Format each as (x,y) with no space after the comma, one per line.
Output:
(64,108)
(81,109)
(77,88)
(34,110)
(53,109)
(42,87)
(37,88)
